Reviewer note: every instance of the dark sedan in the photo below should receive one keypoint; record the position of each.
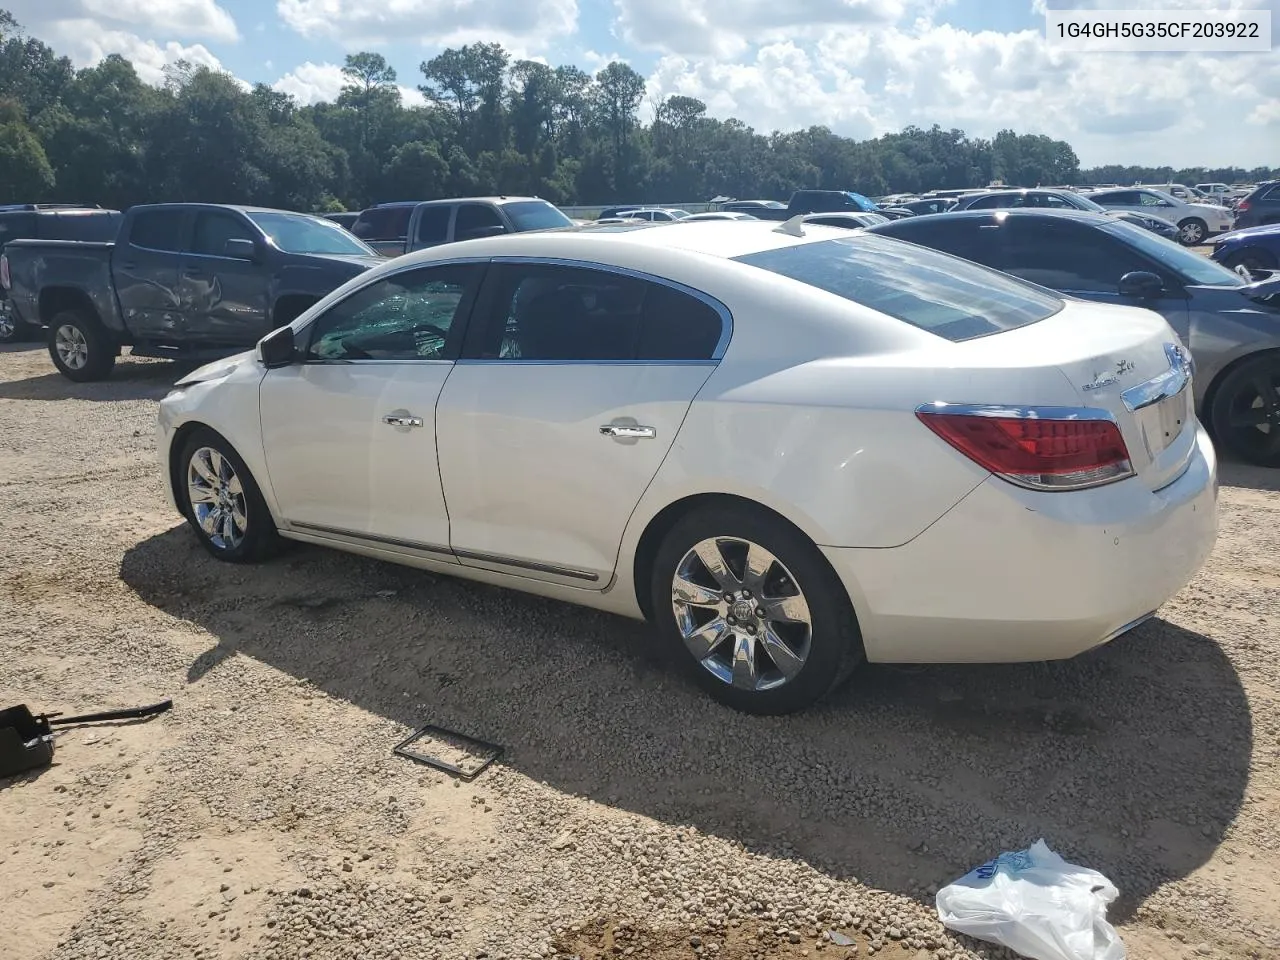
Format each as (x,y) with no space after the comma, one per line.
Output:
(1046,199)
(1254,248)
(1231,326)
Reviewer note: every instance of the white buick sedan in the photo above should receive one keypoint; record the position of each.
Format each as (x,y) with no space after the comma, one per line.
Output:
(790,447)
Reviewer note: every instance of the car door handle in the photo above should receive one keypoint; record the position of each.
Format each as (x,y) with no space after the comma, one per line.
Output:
(397,421)
(625,432)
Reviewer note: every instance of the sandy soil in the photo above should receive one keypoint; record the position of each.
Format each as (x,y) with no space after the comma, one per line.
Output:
(265,816)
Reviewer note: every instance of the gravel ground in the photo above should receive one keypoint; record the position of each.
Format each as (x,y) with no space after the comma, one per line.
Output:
(266,817)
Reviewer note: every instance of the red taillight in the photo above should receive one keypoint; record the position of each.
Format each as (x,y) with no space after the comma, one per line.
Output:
(4,272)
(1038,452)
(1242,205)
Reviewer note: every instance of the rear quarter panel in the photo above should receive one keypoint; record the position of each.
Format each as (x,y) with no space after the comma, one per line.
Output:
(43,266)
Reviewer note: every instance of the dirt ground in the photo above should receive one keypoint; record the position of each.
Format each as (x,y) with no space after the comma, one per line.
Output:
(265,815)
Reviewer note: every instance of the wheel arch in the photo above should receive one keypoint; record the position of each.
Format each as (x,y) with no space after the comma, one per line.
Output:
(1211,394)
(662,522)
(174,472)
(54,300)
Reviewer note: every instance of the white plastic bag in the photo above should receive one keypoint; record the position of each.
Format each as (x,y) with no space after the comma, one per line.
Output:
(1037,904)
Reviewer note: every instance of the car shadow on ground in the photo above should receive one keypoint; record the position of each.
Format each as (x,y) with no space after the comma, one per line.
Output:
(1232,473)
(130,380)
(1132,759)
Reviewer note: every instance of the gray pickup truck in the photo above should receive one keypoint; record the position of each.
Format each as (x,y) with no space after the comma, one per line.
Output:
(398,228)
(185,281)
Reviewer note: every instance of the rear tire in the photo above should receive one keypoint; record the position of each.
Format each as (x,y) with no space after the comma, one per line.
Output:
(740,634)
(1192,232)
(1245,413)
(222,502)
(80,347)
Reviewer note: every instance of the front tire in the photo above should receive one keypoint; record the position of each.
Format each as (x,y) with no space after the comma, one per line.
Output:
(79,346)
(1192,231)
(222,502)
(753,612)
(1246,411)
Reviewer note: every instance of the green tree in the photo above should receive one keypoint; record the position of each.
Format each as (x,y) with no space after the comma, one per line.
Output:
(25,173)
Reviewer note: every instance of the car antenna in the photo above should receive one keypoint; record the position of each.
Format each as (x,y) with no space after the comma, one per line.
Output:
(793,227)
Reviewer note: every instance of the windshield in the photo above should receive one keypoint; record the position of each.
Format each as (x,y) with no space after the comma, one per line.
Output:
(1084,203)
(535,215)
(298,233)
(1191,267)
(944,295)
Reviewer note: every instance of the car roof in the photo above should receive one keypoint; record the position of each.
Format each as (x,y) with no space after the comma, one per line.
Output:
(1084,216)
(242,208)
(418,203)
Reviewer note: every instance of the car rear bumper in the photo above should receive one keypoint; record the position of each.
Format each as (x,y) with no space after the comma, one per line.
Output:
(1013,575)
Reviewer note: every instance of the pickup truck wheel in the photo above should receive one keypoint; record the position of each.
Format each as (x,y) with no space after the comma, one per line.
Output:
(79,347)
(12,330)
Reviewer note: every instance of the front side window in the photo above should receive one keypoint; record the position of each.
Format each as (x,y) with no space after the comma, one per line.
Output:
(301,234)
(408,316)
(158,230)
(926,289)
(1067,256)
(1155,200)
(1119,198)
(212,231)
(549,312)
(992,202)
(477,220)
(1190,266)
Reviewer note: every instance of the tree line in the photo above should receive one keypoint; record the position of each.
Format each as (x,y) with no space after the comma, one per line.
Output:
(490,124)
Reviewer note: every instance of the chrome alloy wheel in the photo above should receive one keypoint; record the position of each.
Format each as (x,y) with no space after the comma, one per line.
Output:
(73,349)
(8,326)
(741,613)
(217,498)
(1191,233)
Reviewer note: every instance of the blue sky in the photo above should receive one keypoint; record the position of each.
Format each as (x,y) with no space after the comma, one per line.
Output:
(860,67)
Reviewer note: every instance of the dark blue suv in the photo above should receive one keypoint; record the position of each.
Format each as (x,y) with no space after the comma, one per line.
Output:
(1261,206)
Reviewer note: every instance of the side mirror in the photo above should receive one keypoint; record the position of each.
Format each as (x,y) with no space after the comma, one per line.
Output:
(1141,284)
(277,349)
(238,249)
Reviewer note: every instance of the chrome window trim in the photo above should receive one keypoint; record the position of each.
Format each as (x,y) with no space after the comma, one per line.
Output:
(726,316)
(1016,412)
(1168,384)
(516,361)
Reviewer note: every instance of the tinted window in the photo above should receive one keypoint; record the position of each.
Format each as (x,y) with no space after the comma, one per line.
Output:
(1190,266)
(212,231)
(937,293)
(477,220)
(433,224)
(298,233)
(15,226)
(383,223)
(100,227)
(1269,193)
(972,238)
(535,215)
(407,316)
(547,312)
(1118,198)
(1154,200)
(157,229)
(992,202)
(1066,256)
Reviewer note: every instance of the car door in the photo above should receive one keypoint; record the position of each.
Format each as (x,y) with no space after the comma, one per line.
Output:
(1085,262)
(145,272)
(572,386)
(224,298)
(1154,205)
(349,432)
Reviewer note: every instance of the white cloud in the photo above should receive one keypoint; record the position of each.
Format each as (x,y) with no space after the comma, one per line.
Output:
(522,26)
(322,82)
(204,19)
(1112,108)
(87,46)
(725,28)
(593,62)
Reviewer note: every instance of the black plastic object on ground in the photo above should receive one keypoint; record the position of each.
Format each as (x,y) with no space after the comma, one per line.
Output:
(480,752)
(26,740)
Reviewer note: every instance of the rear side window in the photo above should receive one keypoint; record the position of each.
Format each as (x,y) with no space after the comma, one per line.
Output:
(1270,193)
(1118,198)
(383,223)
(549,312)
(991,202)
(929,290)
(96,227)
(433,224)
(970,238)
(158,230)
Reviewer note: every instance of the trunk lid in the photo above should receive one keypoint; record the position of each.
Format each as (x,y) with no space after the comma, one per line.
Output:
(1129,362)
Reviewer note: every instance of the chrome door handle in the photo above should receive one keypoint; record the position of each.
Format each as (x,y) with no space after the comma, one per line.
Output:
(396,421)
(628,433)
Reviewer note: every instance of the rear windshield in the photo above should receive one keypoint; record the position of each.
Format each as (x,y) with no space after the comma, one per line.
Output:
(535,215)
(944,295)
